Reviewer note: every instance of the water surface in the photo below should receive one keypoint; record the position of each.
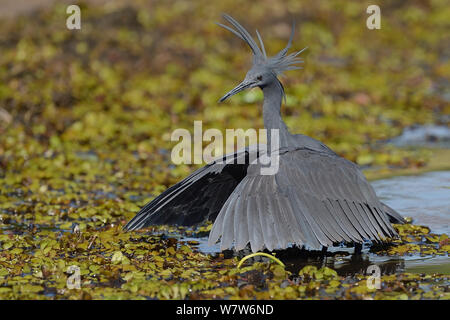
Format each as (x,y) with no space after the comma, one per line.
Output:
(425,198)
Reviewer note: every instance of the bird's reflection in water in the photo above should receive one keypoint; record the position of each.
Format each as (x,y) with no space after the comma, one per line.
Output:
(343,261)
(341,258)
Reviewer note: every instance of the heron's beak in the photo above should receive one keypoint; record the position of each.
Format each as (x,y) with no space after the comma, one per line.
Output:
(240,87)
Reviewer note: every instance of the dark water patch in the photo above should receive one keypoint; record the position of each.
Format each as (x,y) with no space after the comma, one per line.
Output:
(429,135)
(342,259)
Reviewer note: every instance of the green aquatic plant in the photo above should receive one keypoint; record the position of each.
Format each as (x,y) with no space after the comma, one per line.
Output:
(259,254)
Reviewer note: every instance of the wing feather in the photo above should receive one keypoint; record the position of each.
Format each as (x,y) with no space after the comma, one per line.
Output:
(315,199)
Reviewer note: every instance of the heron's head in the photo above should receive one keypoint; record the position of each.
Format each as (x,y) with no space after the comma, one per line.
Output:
(265,69)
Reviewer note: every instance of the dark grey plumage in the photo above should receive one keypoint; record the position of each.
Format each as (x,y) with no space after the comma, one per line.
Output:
(316,198)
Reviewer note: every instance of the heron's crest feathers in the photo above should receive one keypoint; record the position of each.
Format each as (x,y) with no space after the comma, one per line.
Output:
(280,62)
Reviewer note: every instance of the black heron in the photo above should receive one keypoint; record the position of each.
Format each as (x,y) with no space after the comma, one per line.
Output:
(315,199)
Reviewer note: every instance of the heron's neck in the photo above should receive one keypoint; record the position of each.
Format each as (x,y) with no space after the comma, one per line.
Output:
(273,96)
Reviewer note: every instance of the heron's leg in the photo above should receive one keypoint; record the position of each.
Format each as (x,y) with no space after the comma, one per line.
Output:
(358,248)
(324,249)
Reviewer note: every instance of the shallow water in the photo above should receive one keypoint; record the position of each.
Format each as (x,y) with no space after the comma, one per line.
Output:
(429,136)
(425,198)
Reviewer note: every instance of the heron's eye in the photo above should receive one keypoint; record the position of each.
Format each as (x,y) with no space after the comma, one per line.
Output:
(259,78)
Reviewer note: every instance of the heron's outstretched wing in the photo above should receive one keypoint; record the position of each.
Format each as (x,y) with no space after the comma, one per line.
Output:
(314,199)
(394,216)
(199,197)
